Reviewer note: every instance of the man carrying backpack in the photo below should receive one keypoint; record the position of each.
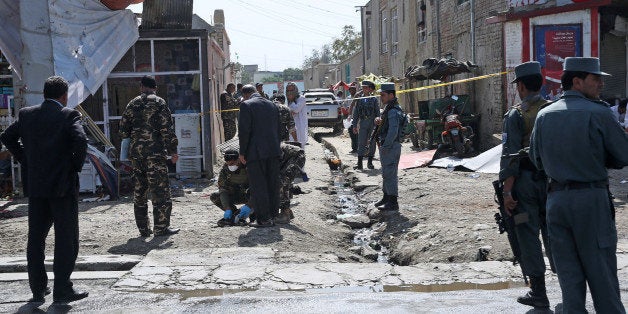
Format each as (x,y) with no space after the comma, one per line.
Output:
(388,137)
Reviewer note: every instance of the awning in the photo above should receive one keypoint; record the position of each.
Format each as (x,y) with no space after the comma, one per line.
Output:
(88,41)
(341,84)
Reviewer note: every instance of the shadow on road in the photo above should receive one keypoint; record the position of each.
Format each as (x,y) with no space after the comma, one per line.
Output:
(53,308)
(139,246)
(260,236)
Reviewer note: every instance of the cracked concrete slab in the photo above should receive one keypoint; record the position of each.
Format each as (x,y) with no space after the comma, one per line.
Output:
(258,268)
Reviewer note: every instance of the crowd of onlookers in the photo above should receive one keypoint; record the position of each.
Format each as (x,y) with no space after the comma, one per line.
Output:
(618,106)
(247,112)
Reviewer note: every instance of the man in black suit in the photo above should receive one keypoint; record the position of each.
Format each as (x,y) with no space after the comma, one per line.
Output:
(52,150)
(258,125)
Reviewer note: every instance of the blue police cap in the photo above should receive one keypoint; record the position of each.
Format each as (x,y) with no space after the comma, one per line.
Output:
(527,69)
(580,64)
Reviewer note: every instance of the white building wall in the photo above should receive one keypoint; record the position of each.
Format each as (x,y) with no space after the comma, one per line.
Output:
(514,46)
(513,51)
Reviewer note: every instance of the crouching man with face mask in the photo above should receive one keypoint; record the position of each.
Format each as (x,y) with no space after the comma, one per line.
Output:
(233,185)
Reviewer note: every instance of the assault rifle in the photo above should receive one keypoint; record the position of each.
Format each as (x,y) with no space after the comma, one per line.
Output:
(506,223)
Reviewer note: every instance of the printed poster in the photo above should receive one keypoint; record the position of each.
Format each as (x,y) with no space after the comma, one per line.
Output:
(552,44)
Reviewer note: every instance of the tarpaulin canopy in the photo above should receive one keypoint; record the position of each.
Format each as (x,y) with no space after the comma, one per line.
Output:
(438,69)
(119,4)
(88,40)
(342,85)
(377,80)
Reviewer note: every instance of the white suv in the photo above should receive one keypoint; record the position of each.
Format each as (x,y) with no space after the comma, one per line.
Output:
(323,110)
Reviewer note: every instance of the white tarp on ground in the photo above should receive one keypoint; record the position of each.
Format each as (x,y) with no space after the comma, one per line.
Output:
(88,40)
(486,162)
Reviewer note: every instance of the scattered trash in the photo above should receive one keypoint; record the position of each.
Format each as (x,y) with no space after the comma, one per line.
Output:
(450,167)
(623,181)
(332,160)
(339,181)
(474,175)
(96,199)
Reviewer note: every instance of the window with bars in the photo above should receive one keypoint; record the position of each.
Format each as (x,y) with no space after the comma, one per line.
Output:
(394,30)
(421,14)
(383,34)
(368,38)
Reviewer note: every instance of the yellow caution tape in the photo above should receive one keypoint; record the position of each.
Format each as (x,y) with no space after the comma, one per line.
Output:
(476,78)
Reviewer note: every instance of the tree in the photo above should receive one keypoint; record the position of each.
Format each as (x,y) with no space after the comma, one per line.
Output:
(274,78)
(311,60)
(340,49)
(348,44)
(245,77)
(293,74)
(318,56)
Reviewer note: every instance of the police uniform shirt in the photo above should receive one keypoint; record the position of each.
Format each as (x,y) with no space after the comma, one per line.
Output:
(577,142)
(518,124)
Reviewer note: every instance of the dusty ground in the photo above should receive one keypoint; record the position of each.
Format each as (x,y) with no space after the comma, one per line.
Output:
(444,217)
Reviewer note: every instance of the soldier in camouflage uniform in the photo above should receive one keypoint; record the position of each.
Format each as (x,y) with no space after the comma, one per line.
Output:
(285,119)
(228,104)
(260,89)
(148,123)
(292,160)
(233,185)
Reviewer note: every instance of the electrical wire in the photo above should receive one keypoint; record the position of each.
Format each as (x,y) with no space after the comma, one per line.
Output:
(297,22)
(270,38)
(293,5)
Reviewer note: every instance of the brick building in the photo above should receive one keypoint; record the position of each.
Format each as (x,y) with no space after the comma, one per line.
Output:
(399,34)
(496,36)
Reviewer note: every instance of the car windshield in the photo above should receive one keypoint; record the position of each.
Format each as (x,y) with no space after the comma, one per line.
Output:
(318,98)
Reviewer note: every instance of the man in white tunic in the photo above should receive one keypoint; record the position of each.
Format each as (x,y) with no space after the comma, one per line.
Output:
(296,102)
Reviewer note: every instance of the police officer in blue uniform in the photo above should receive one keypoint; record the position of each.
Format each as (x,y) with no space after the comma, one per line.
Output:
(388,137)
(524,185)
(364,113)
(575,140)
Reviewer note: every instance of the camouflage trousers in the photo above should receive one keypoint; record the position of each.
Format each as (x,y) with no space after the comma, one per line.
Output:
(151,175)
(229,128)
(229,198)
(287,173)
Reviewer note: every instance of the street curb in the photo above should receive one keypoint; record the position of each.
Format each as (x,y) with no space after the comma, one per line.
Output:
(13,264)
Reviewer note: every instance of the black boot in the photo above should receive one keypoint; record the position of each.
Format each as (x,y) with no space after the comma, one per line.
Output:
(370,163)
(359,166)
(537,296)
(391,204)
(382,201)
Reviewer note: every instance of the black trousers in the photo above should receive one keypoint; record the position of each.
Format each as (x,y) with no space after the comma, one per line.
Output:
(264,187)
(42,214)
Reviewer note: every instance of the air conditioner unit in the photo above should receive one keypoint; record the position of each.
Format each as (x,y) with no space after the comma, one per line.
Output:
(188,129)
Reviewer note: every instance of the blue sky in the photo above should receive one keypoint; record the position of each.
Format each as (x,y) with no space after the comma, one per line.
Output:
(278,34)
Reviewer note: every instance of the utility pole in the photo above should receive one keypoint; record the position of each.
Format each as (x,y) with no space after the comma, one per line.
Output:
(363,38)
